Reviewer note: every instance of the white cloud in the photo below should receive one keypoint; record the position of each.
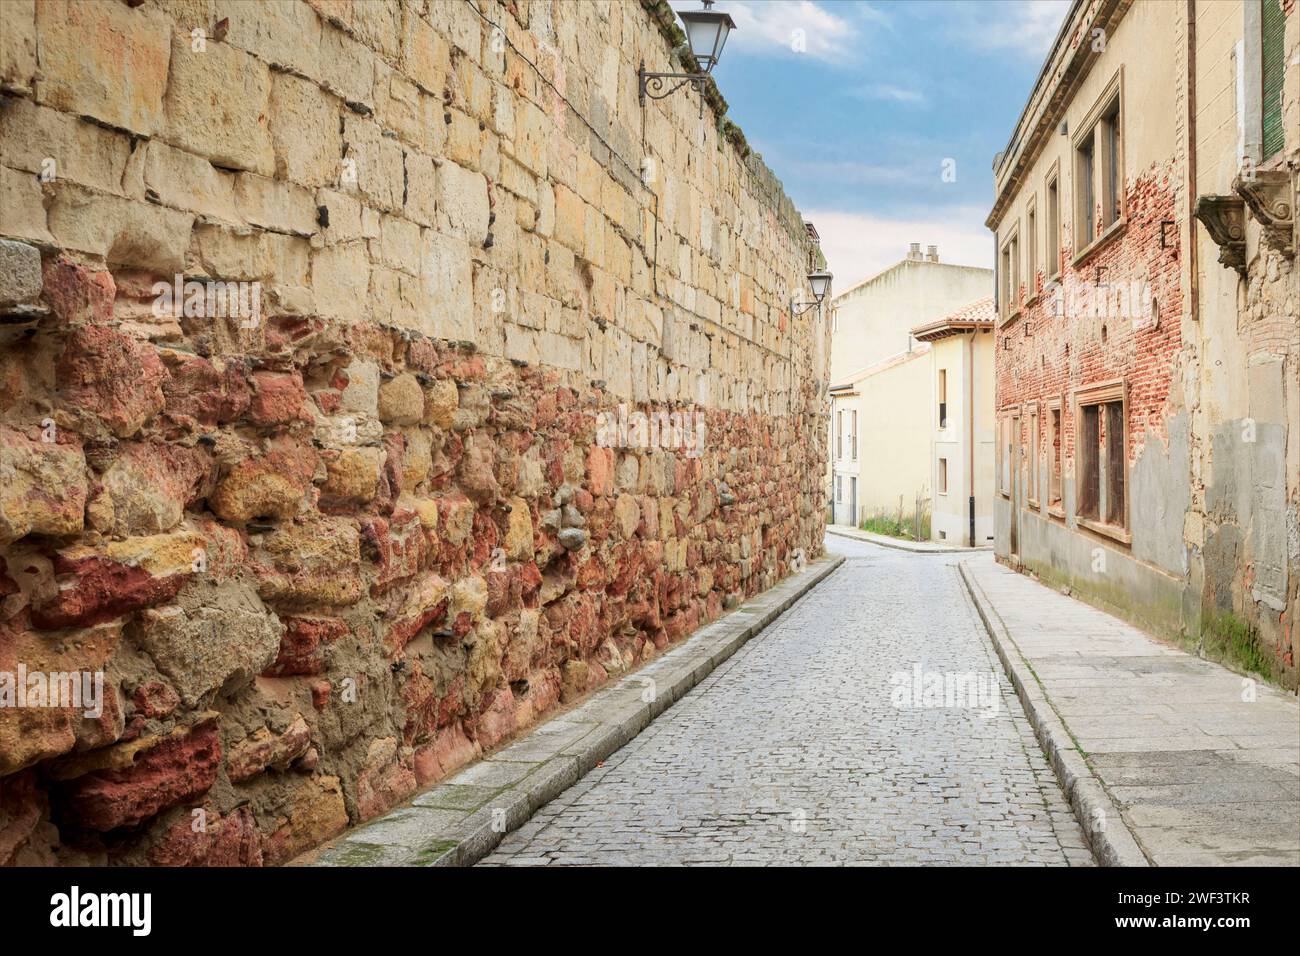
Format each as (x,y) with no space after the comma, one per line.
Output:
(888,93)
(858,245)
(795,27)
(1027,27)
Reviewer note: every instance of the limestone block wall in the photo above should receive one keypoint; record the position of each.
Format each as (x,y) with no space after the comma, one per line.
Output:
(325,329)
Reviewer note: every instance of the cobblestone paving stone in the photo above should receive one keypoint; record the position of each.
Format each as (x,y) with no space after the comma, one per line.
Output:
(793,751)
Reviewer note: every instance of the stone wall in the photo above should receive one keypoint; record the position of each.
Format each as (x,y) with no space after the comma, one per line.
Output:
(335,531)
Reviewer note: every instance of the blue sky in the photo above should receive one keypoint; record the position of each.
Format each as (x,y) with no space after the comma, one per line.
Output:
(859,123)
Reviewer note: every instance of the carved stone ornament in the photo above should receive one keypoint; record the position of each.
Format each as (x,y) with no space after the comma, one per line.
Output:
(1224,218)
(1269,195)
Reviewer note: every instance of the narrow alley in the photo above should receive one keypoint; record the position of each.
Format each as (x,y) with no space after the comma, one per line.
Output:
(792,752)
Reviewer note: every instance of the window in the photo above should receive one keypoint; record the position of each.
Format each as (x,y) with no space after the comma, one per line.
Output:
(1101,448)
(1031,249)
(839,434)
(1273,69)
(1098,169)
(1109,135)
(1053,260)
(1034,452)
(853,433)
(1004,472)
(839,488)
(942,482)
(1084,176)
(1054,455)
(1009,276)
(943,398)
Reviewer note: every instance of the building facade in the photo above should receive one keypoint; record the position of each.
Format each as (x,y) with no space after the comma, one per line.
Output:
(961,423)
(889,437)
(1148,346)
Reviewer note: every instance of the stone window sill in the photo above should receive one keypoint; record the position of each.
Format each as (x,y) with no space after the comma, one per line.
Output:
(1114,532)
(1111,233)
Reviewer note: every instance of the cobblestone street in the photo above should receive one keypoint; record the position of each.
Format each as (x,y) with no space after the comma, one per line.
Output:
(793,751)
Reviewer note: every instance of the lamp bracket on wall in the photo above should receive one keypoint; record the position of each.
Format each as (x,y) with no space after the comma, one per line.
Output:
(655,85)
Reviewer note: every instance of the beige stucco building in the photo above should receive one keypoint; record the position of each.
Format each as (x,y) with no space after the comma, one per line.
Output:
(901,360)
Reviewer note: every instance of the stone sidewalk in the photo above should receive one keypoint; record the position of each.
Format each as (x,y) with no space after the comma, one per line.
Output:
(900,544)
(1199,765)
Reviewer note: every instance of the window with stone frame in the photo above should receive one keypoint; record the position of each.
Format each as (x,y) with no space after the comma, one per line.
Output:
(1052,262)
(1031,249)
(1009,275)
(1004,456)
(1055,445)
(1101,459)
(1035,451)
(1099,169)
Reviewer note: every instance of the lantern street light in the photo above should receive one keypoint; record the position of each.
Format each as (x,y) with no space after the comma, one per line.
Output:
(821,284)
(706,32)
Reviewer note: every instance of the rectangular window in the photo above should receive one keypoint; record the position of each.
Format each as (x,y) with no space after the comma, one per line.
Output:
(1015,272)
(1053,261)
(1031,250)
(853,433)
(1101,451)
(1054,456)
(839,434)
(1084,173)
(1099,168)
(943,476)
(943,398)
(1034,452)
(839,488)
(1109,128)
(1273,70)
(1009,275)
(1004,472)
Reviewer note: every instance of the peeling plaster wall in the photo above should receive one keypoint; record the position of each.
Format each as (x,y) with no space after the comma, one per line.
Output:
(1213,388)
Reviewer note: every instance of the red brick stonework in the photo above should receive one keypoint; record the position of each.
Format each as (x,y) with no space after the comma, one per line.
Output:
(1131,330)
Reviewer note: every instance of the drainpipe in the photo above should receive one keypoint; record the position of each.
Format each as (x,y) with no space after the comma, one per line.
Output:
(1194,285)
(970,439)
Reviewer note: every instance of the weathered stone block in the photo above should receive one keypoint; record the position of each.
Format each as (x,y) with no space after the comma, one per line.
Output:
(305,135)
(217,101)
(104,60)
(144,777)
(218,636)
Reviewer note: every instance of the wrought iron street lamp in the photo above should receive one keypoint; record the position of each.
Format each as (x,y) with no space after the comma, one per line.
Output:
(706,32)
(820,281)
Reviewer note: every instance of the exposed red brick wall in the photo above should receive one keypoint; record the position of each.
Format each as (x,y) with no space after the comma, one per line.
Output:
(1043,355)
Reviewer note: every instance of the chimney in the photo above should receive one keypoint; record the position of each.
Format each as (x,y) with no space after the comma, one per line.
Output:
(931,253)
(914,252)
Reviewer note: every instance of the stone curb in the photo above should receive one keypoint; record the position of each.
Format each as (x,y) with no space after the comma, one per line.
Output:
(463,818)
(899,545)
(1109,837)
